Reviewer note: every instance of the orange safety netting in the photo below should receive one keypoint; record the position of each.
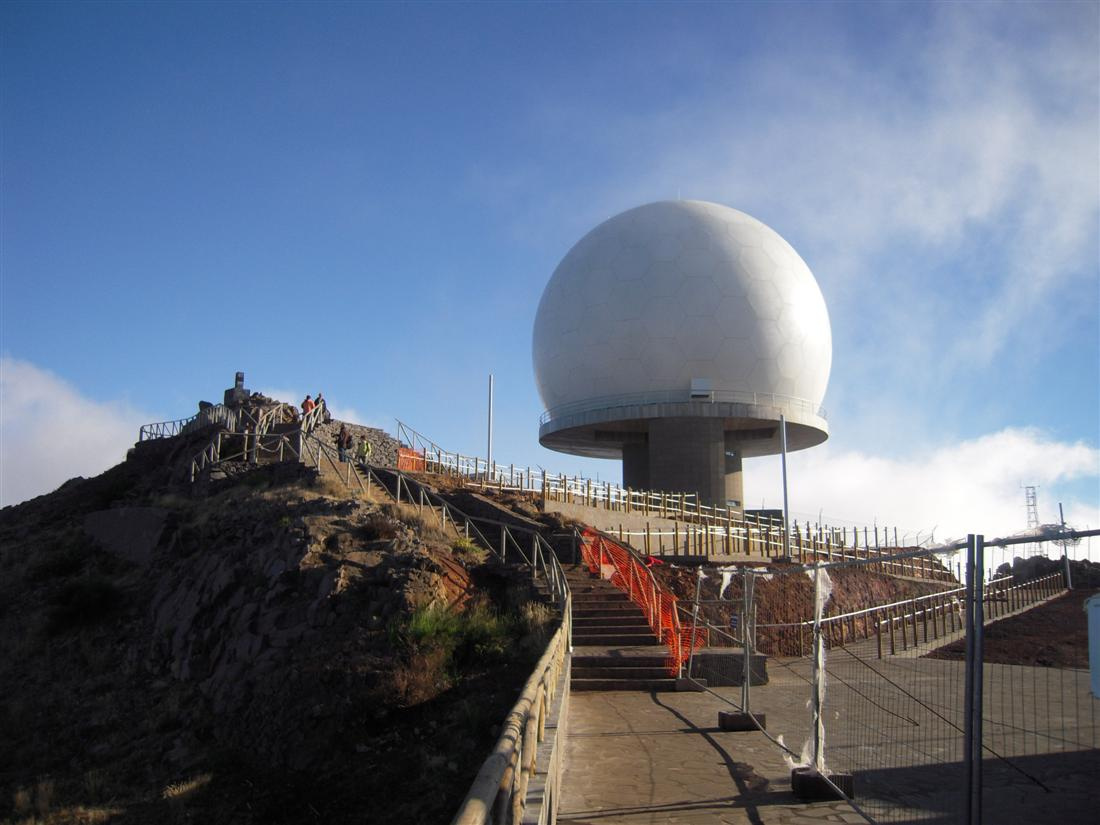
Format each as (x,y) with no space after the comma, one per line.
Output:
(610,560)
(409,460)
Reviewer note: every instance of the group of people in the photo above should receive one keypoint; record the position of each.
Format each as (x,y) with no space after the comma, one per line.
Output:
(308,405)
(345,441)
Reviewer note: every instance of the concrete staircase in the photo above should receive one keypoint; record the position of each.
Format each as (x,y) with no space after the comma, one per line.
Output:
(613,646)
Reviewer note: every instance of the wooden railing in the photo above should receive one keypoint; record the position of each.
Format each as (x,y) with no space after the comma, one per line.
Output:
(519,781)
(1001,598)
(701,530)
(215,414)
(252,429)
(283,447)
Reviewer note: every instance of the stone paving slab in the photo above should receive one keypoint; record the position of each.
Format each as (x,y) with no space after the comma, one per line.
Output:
(642,758)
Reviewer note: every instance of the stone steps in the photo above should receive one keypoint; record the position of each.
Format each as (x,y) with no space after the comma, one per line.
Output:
(619,673)
(615,638)
(628,612)
(662,685)
(614,647)
(653,656)
(601,599)
(626,620)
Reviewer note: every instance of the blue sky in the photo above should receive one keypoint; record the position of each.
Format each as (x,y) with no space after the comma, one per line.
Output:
(368,199)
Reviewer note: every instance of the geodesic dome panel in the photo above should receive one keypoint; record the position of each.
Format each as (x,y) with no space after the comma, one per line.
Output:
(679,290)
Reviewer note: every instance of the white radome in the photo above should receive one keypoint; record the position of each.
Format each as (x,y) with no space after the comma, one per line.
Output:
(674,291)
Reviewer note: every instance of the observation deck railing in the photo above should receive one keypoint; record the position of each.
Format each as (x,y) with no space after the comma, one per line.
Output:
(610,402)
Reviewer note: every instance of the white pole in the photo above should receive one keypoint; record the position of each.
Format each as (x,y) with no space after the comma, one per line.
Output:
(786,509)
(489,459)
(817,670)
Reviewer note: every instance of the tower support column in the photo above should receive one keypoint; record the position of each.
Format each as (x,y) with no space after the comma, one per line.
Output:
(735,477)
(636,466)
(689,455)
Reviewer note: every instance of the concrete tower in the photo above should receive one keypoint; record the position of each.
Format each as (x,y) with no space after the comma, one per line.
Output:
(673,336)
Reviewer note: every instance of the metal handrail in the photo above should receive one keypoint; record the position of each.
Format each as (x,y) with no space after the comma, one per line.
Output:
(680,396)
(553,574)
(321,448)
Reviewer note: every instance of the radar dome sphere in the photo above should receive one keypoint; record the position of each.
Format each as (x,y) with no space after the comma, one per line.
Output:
(680,291)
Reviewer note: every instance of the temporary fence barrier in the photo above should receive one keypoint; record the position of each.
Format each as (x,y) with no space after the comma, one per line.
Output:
(908,739)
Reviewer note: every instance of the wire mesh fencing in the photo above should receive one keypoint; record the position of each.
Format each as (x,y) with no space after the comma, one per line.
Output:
(915,710)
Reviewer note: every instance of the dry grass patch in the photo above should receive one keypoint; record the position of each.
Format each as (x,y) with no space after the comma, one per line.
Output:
(185,787)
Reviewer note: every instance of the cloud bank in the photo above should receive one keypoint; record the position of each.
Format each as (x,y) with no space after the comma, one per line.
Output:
(971,486)
(50,433)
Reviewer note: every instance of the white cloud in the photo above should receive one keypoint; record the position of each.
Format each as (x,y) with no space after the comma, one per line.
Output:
(971,486)
(50,433)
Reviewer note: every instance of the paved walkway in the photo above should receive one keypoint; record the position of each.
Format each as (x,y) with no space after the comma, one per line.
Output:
(638,758)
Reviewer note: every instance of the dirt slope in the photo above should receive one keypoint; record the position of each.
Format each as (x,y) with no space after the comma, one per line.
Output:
(1054,634)
(270,651)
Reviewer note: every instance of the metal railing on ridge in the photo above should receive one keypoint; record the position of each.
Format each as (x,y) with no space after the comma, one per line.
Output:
(701,530)
(215,414)
(539,555)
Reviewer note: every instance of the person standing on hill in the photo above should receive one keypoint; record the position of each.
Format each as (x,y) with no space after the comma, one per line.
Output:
(343,442)
(326,416)
(307,406)
(364,450)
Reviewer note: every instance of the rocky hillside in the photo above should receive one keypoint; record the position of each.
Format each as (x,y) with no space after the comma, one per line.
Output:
(1084,573)
(272,650)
